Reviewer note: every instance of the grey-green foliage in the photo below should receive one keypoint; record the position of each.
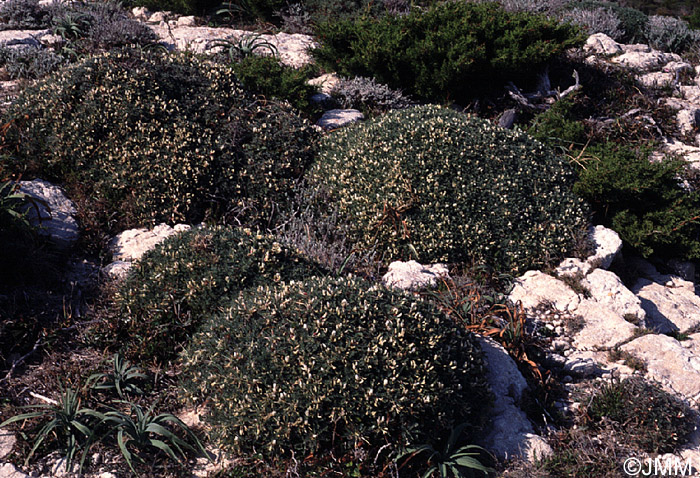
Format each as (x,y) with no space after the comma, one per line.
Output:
(442,186)
(330,364)
(28,61)
(368,95)
(596,20)
(23,14)
(670,34)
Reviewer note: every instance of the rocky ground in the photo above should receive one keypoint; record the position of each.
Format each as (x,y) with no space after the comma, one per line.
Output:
(604,317)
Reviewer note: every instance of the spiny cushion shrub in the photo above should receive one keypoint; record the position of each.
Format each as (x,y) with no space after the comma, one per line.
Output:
(450,52)
(158,138)
(652,418)
(188,277)
(265,75)
(643,201)
(334,364)
(632,21)
(447,187)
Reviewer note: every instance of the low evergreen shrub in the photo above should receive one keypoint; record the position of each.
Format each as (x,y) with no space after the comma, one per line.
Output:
(266,76)
(29,61)
(643,201)
(670,34)
(367,95)
(436,184)
(632,21)
(452,51)
(651,418)
(158,138)
(333,365)
(187,278)
(23,14)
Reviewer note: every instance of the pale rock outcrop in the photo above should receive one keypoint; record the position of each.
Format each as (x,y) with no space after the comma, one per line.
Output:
(7,442)
(326,83)
(510,432)
(690,93)
(679,67)
(607,289)
(52,212)
(603,327)
(130,245)
(411,275)
(601,44)
(668,362)
(572,267)
(643,59)
(582,364)
(140,13)
(535,287)
(689,152)
(188,21)
(668,308)
(117,270)
(292,48)
(657,79)
(9,471)
(337,118)
(607,246)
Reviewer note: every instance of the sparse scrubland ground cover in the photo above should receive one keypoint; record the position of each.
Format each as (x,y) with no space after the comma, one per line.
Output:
(267,315)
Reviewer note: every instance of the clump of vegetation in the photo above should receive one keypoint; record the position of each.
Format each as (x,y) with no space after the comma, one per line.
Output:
(158,138)
(29,61)
(652,419)
(367,95)
(596,20)
(79,419)
(433,184)
(643,201)
(670,34)
(452,51)
(265,75)
(334,365)
(632,21)
(187,278)
(23,14)
(555,126)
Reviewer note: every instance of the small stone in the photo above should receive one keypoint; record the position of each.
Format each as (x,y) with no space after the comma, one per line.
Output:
(567,379)
(601,44)
(607,246)
(7,443)
(53,214)
(411,275)
(333,119)
(188,21)
(140,13)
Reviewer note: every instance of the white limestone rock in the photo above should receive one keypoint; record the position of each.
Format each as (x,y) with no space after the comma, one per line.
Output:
(510,432)
(7,442)
(607,246)
(601,44)
(117,270)
(657,79)
(412,276)
(535,287)
(572,267)
(53,214)
(668,362)
(130,245)
(607,289)
(188,21)
(337,118)
(668,308)
(293,49)
(326,83)
(9,471)
(642,60)
(603,327)
(690,93)
(141,13)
